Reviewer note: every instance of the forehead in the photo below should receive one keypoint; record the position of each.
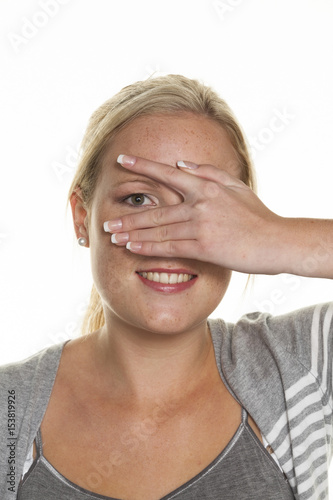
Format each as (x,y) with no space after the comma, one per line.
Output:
(169,138)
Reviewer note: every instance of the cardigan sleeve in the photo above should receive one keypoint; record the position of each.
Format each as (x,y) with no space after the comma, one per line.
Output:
(281,370)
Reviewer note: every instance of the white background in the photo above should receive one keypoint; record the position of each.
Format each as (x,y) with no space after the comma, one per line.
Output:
(60,59)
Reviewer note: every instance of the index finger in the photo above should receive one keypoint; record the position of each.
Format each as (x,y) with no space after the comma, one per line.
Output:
(166,174)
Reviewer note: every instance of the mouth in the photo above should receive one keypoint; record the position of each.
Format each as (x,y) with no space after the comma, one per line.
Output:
(167,280)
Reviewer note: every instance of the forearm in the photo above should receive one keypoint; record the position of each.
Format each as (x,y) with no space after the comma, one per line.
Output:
(306,247)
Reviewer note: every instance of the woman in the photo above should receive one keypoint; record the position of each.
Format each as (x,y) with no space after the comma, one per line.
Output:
(156,401)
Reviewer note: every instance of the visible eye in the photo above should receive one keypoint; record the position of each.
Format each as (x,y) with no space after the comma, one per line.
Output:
(138,200)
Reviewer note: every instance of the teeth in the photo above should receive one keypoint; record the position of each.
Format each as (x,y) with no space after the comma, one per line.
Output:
(166,278)
(173,279)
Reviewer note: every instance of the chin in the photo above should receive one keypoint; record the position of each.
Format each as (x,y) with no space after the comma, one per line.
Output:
(169,323)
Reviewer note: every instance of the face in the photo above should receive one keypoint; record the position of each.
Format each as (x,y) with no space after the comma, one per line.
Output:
(128,302)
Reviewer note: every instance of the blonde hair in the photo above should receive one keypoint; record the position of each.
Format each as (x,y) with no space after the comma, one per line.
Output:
(161,95)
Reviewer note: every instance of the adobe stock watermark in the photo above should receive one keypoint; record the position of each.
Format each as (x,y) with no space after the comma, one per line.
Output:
(276,125)
(224,8)
(68,165)
(289,284)
(321,254)
(72,328)
(32,26)
(278,296)
(130,441)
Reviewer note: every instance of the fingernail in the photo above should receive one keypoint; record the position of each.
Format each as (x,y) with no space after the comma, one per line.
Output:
(134,246)
(126,160)
(120,238)
(187,164)
(112,225)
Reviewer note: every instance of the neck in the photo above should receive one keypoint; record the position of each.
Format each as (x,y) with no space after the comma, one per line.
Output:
(140,365)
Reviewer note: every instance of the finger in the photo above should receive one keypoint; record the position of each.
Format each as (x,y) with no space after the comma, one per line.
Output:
(166,174)
(152,217)
(187,249)
(181,231)
(209,172)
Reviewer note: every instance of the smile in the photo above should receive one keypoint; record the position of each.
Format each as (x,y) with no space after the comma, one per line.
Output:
(167,278)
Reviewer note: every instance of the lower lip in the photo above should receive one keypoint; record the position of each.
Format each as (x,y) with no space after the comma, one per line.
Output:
(168,288)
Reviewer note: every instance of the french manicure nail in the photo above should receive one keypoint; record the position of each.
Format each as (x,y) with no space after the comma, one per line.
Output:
(112,225)
(134,246)
(126,160)
(187,164)
(120,238)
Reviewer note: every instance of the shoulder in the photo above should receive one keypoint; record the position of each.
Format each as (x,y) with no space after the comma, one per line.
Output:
(268,359)
(25,388)
(29,376)
(266,351)
(43,360)
(295,332)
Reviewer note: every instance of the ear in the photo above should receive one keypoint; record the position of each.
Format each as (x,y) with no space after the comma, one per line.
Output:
(80,215)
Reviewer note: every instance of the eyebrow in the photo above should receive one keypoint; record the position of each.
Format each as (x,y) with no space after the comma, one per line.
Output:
(155,185)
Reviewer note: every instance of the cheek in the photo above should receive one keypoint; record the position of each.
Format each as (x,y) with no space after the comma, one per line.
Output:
(219,279)
(108,262)
(111,270)
(112,266)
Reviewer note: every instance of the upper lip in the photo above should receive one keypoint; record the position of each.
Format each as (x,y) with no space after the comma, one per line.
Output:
(167,271)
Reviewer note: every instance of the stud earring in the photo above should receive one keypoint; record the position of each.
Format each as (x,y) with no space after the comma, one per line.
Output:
(82,241)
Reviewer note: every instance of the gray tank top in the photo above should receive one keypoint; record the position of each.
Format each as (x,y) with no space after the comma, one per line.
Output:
(244,470)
